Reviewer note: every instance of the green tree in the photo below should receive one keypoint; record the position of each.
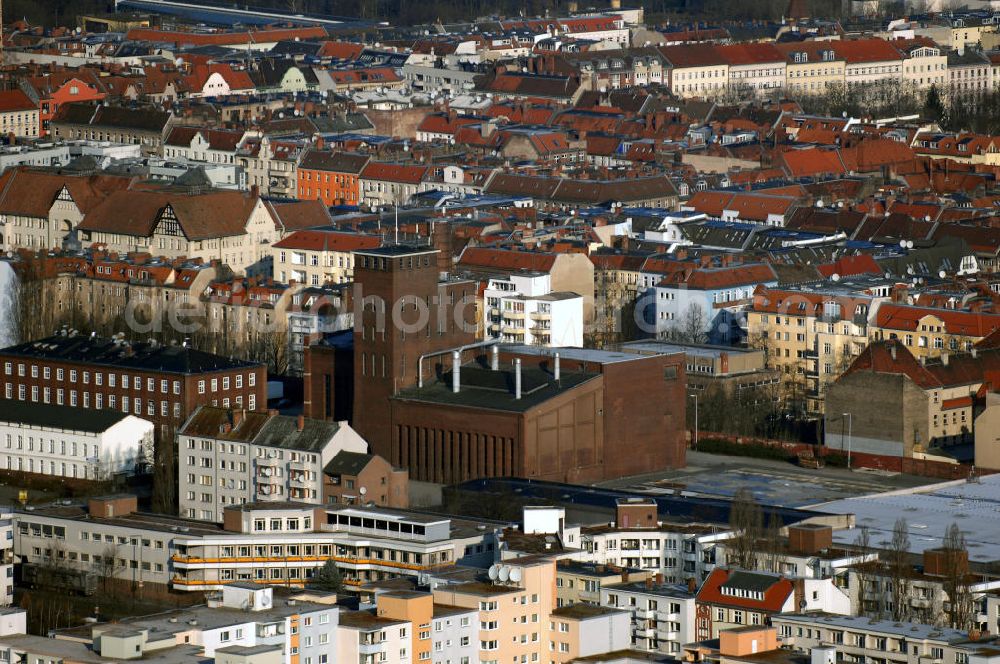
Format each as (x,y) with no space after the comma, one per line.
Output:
(328,578)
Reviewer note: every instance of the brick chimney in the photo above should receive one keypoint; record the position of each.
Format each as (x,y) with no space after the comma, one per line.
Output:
(300,423)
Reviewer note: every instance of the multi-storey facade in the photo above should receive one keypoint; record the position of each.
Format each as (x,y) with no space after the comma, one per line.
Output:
(392,280)
(662,614)
(162,384)
(522,309)
(811,334)
(319,257)
(331,177)
(232,457)
(930,332)
(61,441)
(514,613)
(19,115)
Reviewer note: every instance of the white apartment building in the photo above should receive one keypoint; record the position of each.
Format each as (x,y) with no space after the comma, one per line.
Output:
(523,309)
(862,639)
(677,551)
(663,614)
(70,442)
(232,457)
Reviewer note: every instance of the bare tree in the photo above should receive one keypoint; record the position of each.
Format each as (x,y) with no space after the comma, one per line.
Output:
(867,575)
(773,548)
(959,607)
(900,571)
(746,521)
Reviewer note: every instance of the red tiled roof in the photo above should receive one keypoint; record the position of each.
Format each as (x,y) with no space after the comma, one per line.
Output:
(506,260)
(16,100)
(774,600)
(849,266)
(724,277)
(959,402)
(405,173)
(328,241)
(816,161)
(907,318)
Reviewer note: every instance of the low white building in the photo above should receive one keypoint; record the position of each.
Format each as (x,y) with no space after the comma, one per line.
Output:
(71,442)
(523,309)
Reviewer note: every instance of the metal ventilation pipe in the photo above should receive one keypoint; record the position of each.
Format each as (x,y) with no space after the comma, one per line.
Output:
(456,371)
(517,378)
(555,371)
(495,358)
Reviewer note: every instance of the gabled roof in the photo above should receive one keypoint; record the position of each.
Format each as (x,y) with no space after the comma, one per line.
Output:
(318,240)
(334,162)
(723,277)
(723,588)
(903,317)
(506,260)
(16,100)
(200,216)
(405,173)
(31,193)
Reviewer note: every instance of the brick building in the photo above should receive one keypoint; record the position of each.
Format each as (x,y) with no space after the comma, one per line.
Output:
(523,413)
(352,478)
(405,280)
(163,384)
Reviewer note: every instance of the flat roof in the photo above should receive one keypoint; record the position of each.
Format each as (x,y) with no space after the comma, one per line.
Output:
(579,354)
(928,512)
(910,630)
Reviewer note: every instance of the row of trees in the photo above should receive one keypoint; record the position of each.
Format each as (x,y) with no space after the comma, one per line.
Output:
(884,582)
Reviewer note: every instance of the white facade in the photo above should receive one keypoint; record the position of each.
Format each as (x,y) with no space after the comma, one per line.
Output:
(677,553)
(663,616)
(218,470)
(49,440)
(523,309)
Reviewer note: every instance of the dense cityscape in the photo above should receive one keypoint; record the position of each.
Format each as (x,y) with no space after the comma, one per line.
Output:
(372,332)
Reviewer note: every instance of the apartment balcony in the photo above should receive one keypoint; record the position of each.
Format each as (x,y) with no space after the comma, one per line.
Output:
(370,647)
(663,616)
(667,635)
(301,480)
(517,315)
(515,329)
(269,462)
(541,315)
(921,602)
(644,632)
(644,614)
(811,353)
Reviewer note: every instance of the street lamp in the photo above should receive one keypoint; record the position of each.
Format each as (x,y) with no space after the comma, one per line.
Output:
(695,397)
(850,425)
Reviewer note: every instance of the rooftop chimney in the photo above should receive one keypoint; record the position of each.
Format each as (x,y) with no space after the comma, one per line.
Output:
(555,372)
(495,358)
(517,378)
(300,423)
(456,370)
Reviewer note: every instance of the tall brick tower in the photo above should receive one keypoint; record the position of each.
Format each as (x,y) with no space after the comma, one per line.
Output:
(407,280)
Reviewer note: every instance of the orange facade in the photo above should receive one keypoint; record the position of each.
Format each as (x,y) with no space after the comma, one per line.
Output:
(331,187)
(71,91)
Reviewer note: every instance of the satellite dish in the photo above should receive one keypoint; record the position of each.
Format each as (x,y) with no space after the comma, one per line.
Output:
(504,573)
(902,243)
(362,491)
(494,572)
(942,274)
(835,277)
(515,574)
